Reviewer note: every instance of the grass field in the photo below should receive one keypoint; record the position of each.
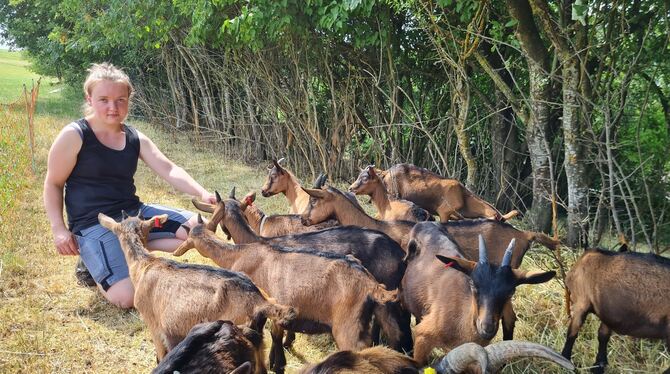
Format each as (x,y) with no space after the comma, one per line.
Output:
(48,324)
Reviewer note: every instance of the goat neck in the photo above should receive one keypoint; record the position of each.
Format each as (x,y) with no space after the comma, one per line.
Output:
(210,246)
(380,197)
(254,216)
(297,198)
(234,224)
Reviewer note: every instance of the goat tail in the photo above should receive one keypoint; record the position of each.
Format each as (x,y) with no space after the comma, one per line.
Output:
(544,239)
(382,296)
(280,314)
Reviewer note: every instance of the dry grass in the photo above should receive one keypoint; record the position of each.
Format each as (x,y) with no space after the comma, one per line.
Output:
(49,324)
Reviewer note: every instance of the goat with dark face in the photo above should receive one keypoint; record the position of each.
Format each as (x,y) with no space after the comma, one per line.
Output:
(216,347)
(462,303)
(628,292)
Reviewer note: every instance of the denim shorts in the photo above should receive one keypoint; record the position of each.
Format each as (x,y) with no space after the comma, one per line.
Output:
(101,251)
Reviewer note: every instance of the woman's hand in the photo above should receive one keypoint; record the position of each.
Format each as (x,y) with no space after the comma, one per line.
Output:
(208,197)
(65,242)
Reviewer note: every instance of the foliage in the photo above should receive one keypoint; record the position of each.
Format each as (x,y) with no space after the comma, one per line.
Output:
(378,81)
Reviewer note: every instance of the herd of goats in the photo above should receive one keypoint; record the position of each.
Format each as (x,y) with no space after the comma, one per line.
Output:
(331,268)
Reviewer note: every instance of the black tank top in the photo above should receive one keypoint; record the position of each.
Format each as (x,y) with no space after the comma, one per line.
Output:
(102,179)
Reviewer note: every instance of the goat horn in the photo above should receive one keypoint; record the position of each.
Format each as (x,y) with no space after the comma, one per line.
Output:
(483,257)
(124,215)
(507,258)
(504,352)
(460,358)
(188,229)
(218,197)
(319,181)
(200,218)
(232,194)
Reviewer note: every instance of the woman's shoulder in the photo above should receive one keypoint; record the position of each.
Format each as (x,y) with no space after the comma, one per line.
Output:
(69,139)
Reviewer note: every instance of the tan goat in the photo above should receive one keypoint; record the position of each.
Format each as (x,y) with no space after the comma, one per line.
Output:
(332,293)
(628,292)
(389,209)
(447,198)
(276,224)
(172,297)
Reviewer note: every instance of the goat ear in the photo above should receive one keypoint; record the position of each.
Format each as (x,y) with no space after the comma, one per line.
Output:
(371,171)
(250,197)
(457,263)
(107,222)
(124,215)
(245,368)
(209,208)
(320,194)
(150,223)
(412,251)
(533,277)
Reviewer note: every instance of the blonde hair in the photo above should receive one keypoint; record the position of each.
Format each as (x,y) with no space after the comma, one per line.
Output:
(100,72)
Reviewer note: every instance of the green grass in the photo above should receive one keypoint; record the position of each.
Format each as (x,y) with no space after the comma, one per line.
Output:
(48,324)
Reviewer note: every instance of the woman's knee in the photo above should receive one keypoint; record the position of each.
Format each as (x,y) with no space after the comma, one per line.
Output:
(121,294)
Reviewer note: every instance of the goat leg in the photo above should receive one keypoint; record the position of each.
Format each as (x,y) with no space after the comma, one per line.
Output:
(604,333)
(576,321)
(277,356)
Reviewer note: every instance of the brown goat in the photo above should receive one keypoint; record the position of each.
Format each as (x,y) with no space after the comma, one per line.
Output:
(628,292)
(331,202)
(389,209)
(277,224)
(172,297)
(447,198)
(378,253)
(283,181)
(462,303)
(215,347)
(461,236)
(466,358)
(332,293)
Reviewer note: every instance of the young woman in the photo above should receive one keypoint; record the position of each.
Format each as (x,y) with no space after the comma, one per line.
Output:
(93,161)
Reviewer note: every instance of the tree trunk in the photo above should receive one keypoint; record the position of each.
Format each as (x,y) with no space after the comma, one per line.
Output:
(460,108)
(537,56)
(574,163)
(539,215)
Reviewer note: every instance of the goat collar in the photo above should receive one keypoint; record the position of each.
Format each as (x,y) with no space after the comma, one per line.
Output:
(260,227)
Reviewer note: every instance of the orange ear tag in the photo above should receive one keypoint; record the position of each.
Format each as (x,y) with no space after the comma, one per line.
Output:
(157,223)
